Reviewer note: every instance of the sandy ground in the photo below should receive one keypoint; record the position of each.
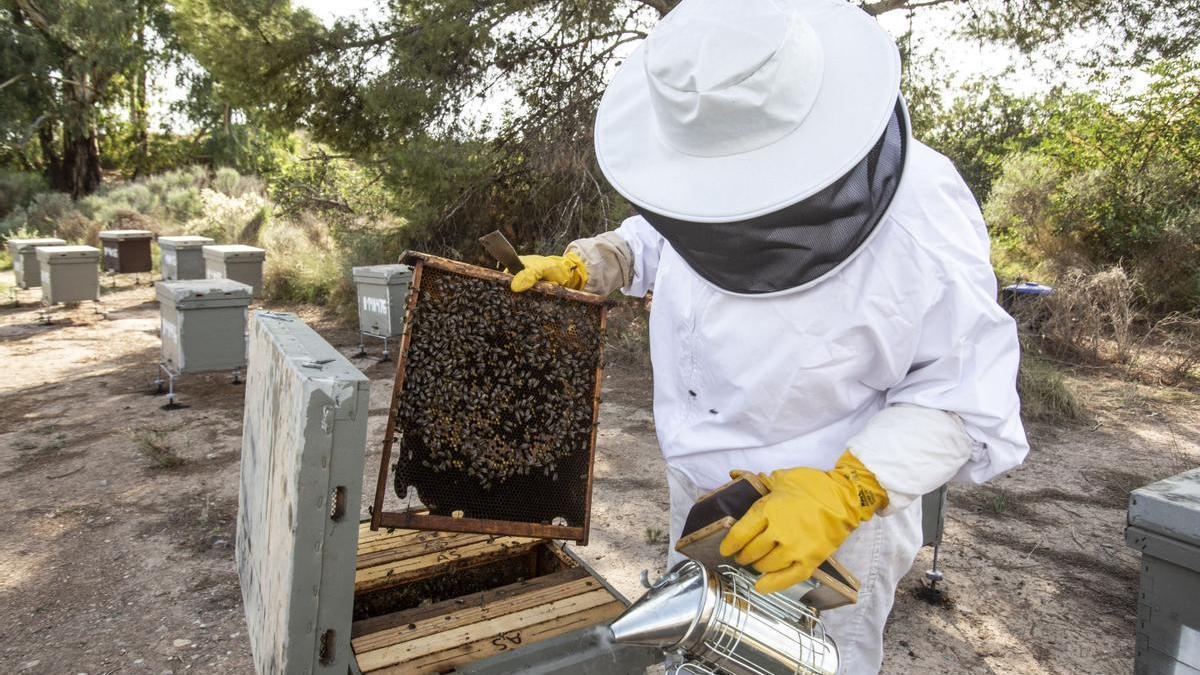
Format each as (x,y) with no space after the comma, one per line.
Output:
(111,564)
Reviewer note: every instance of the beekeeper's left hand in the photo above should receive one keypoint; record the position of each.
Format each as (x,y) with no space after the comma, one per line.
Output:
(804,518)
(565,270)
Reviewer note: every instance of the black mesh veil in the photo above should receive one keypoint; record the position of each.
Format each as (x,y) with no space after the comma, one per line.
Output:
(802,242)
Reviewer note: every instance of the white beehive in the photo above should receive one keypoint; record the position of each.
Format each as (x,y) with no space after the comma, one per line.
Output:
(237,262)
(69,273)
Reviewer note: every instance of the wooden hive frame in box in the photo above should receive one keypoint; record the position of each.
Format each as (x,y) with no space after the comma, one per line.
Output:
(487,504)
(465,597)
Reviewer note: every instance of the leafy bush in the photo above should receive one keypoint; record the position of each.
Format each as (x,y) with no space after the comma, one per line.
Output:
(17,189)
(304,263)
(1114,180)
(230,219)
(183,204)
(40,216)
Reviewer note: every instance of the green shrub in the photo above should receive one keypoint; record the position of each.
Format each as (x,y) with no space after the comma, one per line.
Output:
(1114,181)
(17,189)
(41,216)
(304,263)
(183,204)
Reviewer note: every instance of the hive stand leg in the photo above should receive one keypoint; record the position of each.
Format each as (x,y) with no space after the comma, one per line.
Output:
(362,347)
(935,575)
(171,375)
(44,315)
(237,375)
(386,356)
(15,300)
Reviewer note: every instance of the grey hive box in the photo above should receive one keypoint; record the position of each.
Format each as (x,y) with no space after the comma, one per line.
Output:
(1164,524)
(69,273)
(382,299)
(203,325)
(182,257)
(304,435)
(235,261)
(127,251)
(24,259)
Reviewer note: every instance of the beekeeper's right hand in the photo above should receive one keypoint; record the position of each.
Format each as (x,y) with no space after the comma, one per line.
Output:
(565,270)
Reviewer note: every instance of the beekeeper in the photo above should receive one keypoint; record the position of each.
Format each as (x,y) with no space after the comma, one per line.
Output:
(824,307)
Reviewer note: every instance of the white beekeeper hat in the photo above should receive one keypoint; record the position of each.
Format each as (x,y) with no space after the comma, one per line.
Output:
(734,109)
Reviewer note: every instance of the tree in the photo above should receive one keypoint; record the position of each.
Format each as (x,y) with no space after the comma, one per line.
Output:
(1113,179)
(377,90)
(72,58)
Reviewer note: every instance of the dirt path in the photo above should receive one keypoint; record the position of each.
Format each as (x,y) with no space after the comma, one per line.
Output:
(113,564)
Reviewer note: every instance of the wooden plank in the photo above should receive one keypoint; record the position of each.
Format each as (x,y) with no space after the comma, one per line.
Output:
(449,659)
(486,274)
(488,629)
(431,564)
(375,624)
(386,552)
(409,519)
(389,435)
(422,622)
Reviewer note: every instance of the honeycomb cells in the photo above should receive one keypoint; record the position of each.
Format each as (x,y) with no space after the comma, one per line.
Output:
(498,400)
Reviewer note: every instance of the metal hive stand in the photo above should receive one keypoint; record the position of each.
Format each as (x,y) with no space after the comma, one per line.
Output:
(173,375)
(45,311)
(362,349)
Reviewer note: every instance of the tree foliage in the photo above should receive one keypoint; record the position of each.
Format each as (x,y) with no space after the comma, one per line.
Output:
(69,61)
(1115,179)
(405,93)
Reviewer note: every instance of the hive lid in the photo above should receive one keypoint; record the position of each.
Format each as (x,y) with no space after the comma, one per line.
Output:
(185,241)
(197,290)
(386,273)
(22,244)
(126,234)
(66,252)
(240,251)
(1170,507)
(486,433)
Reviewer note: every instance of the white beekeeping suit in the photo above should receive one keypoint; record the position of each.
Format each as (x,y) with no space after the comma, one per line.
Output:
(821,280)
(792,380)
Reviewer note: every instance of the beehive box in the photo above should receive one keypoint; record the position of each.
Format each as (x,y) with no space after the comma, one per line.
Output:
(24,260)
(182,257)
(492,426)
(127,251)
(382,293)
(1164,525)
(203,324)
(304,431)
(69,273)
(432,602)
(237,262)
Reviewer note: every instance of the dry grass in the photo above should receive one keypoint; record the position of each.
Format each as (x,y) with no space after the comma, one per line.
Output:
(155,446)
(1045,396)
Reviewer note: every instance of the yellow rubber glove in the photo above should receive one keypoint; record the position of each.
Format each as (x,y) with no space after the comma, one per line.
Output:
(804,518)
(565,270)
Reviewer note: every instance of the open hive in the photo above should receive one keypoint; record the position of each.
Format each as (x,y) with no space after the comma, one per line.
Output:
(493,416)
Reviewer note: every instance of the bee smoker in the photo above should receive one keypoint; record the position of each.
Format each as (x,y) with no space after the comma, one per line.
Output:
(707,617)
(714,622)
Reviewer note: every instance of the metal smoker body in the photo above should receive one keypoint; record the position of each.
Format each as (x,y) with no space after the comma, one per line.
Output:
(713,622)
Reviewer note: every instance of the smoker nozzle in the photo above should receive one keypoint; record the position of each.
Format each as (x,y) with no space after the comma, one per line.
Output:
(667,613)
